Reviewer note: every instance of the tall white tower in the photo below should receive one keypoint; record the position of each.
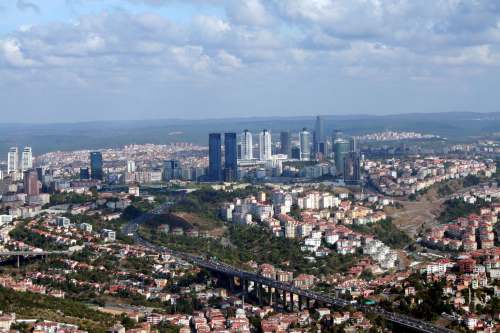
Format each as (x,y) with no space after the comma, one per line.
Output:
(246,145)
(13,160)
(265,145)
(27,159)
(130,166)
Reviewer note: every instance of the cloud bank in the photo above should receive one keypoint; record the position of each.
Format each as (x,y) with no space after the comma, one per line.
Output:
(297,56)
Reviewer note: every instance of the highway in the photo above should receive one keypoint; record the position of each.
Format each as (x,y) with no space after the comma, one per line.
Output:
(216,266)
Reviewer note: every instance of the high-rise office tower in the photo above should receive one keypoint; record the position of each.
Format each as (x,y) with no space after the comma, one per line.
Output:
(40,171)
(265,145)
(215,156)
(337,135)
(130,166)
(353,144)
(246,145)
(31,182)
(84,173)
(341,148)
(352,167)
(319,139)
(286,143)
(13,160)
(231,157)
(96,165)
(172,169)
(27,159)
(305,145)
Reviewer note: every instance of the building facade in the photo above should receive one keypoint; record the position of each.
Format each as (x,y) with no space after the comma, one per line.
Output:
(215,156)
(231,157)
(246,145)
(96,165)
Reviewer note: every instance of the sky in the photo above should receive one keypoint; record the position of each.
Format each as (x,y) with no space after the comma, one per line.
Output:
(81,60)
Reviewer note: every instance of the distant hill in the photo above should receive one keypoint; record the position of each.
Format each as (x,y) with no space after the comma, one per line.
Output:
(112,134)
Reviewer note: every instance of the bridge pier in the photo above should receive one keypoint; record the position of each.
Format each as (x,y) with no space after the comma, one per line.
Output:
(261,292)
(308,304)
(300,303)
(17,261)
(276,296)
(231,282)
(270,295)
(245,286)
(291,303)
(316,304)
(284,300)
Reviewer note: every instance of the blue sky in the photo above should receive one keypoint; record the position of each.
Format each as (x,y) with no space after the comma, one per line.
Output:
(78,60)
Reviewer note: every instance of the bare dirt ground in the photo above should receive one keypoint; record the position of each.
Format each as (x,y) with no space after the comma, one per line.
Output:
(114,312)
(416,215)
(405,261)
(442,322)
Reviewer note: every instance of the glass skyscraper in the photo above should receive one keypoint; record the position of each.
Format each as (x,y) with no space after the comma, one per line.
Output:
(215,156)
(286,143)
(319,140)
(341,149)
(231,157)
(96,165)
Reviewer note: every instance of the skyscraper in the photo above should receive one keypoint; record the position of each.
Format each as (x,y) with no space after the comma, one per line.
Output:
(352,167)
(31,182)
(40,171)
(319,139)
(265,145)
(13,160)
(231,157)
(337,135)
(172,169)
(27,159)
(353,144)
(341,148)
(215,156)
(305,145)
(246,145)
(96,165)
(286,143)
(84,173)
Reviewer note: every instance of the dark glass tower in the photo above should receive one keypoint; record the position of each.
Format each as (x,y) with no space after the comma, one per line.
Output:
(231,157)
(319,140)
(215,156)
(84,173)
(286,143)
(341,148)
(171,169)
(96,165)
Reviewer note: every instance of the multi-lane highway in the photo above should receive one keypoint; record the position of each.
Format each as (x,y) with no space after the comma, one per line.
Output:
(231,271)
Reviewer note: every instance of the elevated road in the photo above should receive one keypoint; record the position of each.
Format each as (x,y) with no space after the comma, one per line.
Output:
(33,253)
(219,267)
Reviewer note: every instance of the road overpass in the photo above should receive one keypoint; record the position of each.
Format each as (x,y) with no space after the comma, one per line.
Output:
(31,253)
(279,287)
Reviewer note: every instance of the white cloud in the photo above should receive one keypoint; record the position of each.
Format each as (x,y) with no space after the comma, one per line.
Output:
(249,12)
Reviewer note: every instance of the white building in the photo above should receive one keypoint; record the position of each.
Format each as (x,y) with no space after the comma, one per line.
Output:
(246,145)
(109,234)
(130,166)
(13,160)
(27,159)
(265,145)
